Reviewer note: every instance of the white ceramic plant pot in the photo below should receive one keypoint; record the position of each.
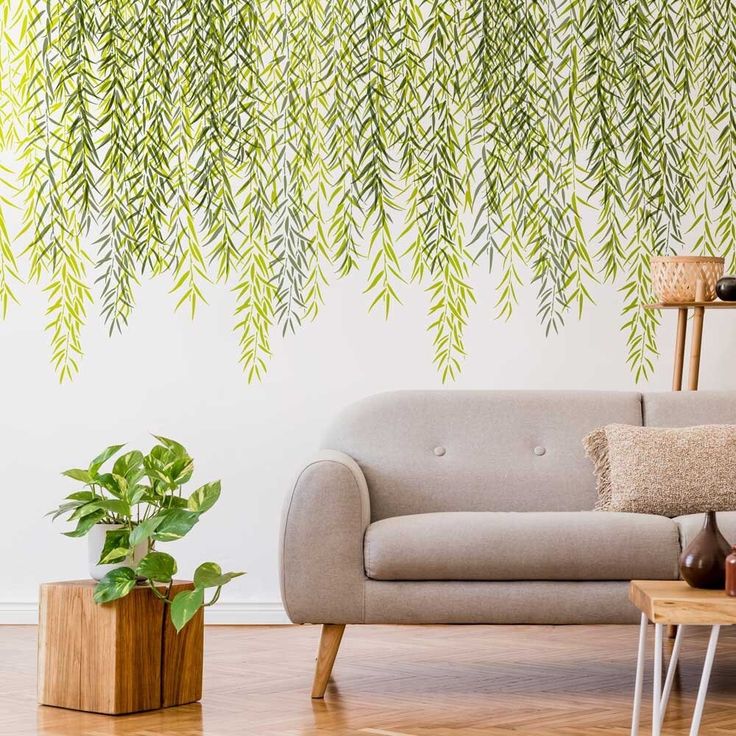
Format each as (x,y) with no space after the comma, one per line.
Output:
(95,543)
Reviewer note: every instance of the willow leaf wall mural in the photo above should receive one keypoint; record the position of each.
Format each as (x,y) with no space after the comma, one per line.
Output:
(275,145)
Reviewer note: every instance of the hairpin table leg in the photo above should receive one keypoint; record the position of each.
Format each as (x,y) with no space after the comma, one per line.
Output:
(705,677)
(671,669)
(639,682)
(657,681)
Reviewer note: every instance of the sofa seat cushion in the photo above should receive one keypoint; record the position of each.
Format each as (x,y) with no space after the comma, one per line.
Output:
(534,545)
(690,524)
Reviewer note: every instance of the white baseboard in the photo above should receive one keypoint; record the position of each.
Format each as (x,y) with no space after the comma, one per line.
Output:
(227,612)
(18,613)
(223,612)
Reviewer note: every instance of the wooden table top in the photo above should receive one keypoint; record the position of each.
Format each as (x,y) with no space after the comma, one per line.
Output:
(716,304)
(89,583)
(675,602)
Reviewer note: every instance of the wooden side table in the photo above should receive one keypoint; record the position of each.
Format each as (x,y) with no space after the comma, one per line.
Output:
(119,657)
(696,340)
(675,602)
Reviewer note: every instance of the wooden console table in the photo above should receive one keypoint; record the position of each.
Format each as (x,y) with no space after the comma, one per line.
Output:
(696,341)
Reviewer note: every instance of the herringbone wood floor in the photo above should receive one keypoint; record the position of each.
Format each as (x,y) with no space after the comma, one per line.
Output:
(398,681)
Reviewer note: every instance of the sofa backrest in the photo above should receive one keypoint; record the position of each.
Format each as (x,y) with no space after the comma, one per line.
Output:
(424,451)
(688,408)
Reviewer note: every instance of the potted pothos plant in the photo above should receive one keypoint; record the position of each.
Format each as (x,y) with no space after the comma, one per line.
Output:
(129,510)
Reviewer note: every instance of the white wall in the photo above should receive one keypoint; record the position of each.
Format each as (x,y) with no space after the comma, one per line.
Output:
(169,375)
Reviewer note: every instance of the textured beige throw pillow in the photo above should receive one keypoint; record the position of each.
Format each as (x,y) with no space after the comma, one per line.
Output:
(653,470)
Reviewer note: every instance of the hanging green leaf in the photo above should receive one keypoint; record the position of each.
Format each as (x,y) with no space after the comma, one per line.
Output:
(157,566)
(271,143)
(116,584)
(210,575)
(185,604)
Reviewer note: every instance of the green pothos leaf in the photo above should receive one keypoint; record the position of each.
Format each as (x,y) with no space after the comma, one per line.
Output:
(143,531)
(174,524)
(210,575)
(101,459)
(116,584)
(157,566)
(86,523)
(185,604)
(116,547)
(205,497)
(78,474)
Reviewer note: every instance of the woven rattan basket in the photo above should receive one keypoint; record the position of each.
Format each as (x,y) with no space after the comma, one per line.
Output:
(674,278)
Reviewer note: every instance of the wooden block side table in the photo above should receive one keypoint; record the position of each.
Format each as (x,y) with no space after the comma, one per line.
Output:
(674,602)
(119,657)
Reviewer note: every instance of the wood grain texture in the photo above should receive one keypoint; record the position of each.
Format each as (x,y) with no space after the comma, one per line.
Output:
(130,631)
(182,658)
(675,602)
(114,658)
(696,343)
(689,305)
(406,680)
(329,643)
(59,646)
(679,350)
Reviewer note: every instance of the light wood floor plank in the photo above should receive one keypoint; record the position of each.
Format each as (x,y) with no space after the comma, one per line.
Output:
(399,681)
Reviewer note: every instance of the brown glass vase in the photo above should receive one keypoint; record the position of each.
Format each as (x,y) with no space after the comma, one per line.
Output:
(731,573)
(703,563)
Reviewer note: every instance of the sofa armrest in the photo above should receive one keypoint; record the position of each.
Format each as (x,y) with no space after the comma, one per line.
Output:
(322,530)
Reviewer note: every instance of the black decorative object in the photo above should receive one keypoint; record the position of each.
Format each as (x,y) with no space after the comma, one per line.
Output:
(726,288)
(703,563)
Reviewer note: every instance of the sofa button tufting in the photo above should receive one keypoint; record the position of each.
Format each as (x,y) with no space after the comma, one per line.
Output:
(439,451)
(539,450)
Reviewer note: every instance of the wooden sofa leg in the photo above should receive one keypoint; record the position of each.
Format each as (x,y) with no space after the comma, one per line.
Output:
(329,643)
(671,631)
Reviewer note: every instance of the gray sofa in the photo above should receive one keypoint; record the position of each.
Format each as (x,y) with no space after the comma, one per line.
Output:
(475,507)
